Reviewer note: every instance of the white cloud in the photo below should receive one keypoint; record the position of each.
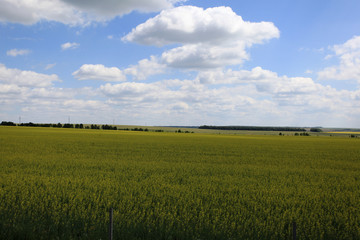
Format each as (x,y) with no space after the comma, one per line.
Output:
(10,89)
(50,93)
(99,72)
(69,45)
(130,90)
(40,101)
(349,67)
(191,25)
(49,66)
(145,68)
(180,106)
(17,52)
(264,80)
(83,105)
(207,38)
(74,12)
(199,56)
(26,78)
(32,91)
(219,76)
(112,8)
(296,95)
(32,11)
(226,97)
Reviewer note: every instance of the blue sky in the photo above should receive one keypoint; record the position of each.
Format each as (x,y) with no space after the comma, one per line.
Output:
(174,62)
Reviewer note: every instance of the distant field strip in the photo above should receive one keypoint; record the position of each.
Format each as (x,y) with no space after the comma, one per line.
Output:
(60,184)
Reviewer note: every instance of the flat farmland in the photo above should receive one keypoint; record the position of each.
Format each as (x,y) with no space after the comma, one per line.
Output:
(60,184)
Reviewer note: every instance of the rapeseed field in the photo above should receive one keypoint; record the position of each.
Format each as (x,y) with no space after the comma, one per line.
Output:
(60,184)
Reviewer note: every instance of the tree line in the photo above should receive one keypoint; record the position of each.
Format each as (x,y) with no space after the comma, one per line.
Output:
(254,128)
(81,126)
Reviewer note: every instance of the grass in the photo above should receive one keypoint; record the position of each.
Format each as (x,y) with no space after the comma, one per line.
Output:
(60,183)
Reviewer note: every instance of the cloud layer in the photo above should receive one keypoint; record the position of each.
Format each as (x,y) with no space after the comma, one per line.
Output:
(257,96)
(75,12)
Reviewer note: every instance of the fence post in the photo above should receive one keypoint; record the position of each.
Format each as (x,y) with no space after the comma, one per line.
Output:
(294,230)
(111,223)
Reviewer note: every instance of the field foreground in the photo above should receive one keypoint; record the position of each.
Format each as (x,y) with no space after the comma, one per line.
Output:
(60,183)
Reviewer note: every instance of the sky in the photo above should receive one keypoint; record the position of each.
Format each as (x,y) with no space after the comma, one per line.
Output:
(181,63)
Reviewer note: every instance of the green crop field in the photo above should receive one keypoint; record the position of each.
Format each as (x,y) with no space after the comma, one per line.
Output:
(60,184)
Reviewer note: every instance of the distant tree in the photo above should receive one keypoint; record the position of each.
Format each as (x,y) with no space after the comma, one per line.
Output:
(4,123)
(29,124)
(315,130)
(108,127)
(252,128)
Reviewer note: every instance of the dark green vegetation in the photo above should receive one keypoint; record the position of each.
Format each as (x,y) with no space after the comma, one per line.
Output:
(59,184)
(254,128)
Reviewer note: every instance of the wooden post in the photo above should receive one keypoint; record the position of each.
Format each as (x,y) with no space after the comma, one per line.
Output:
(111,224)
(294,230)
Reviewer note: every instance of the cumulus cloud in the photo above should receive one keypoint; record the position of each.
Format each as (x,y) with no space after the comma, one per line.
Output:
(83,105)
(207,38)
(99,72)
(32,11)
(129,89)
(26,78)
(112,8)
(287,95)
(265,81)
(145,68)
(349,66)
(16,52)
(220,76)
(69,45)
(30,90)
(190,25)
(75,12)
(192,101)
(10,89)
(50,93)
